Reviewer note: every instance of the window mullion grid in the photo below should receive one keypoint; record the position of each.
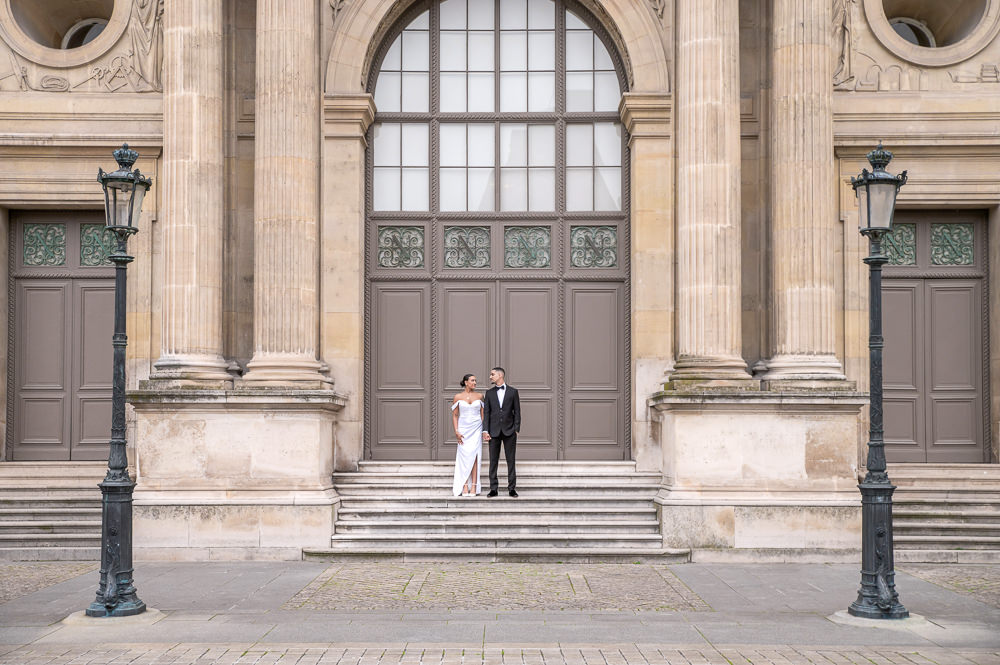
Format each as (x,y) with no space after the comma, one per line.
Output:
(434,158)
(560,160)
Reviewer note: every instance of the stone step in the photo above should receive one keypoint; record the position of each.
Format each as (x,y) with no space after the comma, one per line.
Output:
(905,556)
(51,475)
(87,527)
(566,514)
(447,501)
(502,555)
(963,529)
(940,542)
(499,527)
(54,553)
(902,516)
(21,539)
(61,513)
(490,541)
(50,498)
(536,480)
(548,490)
(523,466)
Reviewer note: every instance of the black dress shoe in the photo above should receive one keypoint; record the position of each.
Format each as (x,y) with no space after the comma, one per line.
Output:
(513,493)
(492,494)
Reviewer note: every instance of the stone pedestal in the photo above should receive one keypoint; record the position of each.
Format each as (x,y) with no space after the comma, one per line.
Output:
(760,471)
(234,474)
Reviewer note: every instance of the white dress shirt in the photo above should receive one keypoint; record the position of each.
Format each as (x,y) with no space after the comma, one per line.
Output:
(501,389)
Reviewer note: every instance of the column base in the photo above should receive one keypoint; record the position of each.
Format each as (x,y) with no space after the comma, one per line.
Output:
(711,372)
(805,372)
(197,370)
(275,369)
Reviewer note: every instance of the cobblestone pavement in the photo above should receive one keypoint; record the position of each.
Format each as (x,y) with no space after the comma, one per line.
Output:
(498,586)
(981,581)
(20,579)
(415,654)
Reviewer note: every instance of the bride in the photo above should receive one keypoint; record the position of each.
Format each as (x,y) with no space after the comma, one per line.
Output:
(467,416)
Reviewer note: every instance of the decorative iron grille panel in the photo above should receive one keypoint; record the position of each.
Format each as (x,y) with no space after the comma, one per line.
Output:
(593,246)
(901,245)
(401,247)
(96,245)
(466,247)
(527,247)
(952,245)
(44,245)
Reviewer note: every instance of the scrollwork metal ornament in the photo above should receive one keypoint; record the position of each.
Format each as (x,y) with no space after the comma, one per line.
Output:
(952,245)
(901,245)
(466,247)
(96,245)
(400,247)
(593,246)
(44,245)
(527,247)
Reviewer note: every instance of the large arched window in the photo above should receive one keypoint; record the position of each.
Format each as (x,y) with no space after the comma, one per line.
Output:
(497,157)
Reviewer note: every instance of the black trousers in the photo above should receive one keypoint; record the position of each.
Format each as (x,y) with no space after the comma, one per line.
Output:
(509,446)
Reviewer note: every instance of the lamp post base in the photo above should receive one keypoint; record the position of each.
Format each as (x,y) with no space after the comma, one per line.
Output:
(124,608)
(877,596)
(116,594)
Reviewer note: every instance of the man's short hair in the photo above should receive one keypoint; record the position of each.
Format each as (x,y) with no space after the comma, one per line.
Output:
(501,370)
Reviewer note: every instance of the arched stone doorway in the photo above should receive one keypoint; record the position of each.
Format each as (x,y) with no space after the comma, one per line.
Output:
(497,227)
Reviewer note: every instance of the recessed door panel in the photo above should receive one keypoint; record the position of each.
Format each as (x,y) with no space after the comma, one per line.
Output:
(595,371)
(401,367)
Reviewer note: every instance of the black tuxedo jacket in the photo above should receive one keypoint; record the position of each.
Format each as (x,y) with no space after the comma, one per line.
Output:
(504,420)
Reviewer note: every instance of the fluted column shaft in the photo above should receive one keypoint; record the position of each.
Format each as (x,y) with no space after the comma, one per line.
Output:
(193,194)
(286,187)
(803,185)
(708,192)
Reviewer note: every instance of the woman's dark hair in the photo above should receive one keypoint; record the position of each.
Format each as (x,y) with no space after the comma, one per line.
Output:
(466,378)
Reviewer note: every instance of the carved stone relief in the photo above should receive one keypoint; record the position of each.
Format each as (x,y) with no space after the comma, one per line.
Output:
(133,63)
(870,59)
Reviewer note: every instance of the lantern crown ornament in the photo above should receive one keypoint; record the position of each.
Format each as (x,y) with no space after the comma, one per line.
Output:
(124,190)
(876,191)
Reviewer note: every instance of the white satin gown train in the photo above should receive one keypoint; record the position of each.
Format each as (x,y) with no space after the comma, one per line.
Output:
(469,455)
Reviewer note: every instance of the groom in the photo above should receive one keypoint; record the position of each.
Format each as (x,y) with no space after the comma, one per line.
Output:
(502,419)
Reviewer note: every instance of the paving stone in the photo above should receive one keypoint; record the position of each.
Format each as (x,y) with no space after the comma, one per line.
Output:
(980,581)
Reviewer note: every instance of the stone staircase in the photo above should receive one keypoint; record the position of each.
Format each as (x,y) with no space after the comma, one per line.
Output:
(567,511)
(946,512)
(50,511)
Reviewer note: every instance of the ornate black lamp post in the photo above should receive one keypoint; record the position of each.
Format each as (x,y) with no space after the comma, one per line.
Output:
(877,597)
(124,191)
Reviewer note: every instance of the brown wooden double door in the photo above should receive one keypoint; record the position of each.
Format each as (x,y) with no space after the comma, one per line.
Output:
(63,319)
(934,300)
(561,342)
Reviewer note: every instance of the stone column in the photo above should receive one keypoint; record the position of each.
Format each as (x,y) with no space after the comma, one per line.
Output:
(193,193)
(803,196)
(286,194)
(708,196)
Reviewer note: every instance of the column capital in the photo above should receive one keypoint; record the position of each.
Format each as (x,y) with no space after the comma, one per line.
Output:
(347,115)
(647,114)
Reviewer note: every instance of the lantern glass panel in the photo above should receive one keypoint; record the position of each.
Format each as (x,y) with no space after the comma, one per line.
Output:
(862,192)
(883,201)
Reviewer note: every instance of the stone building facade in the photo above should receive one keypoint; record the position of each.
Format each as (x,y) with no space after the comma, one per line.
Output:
(641,208)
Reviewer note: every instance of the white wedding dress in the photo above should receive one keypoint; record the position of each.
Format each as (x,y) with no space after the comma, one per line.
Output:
(469,455)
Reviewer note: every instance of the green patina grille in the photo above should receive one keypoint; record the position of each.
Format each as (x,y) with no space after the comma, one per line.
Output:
(401,247)
(44,244)
(593,246)
(952,245)
(527,247)
(901,245)
(97,243)
(466,247)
